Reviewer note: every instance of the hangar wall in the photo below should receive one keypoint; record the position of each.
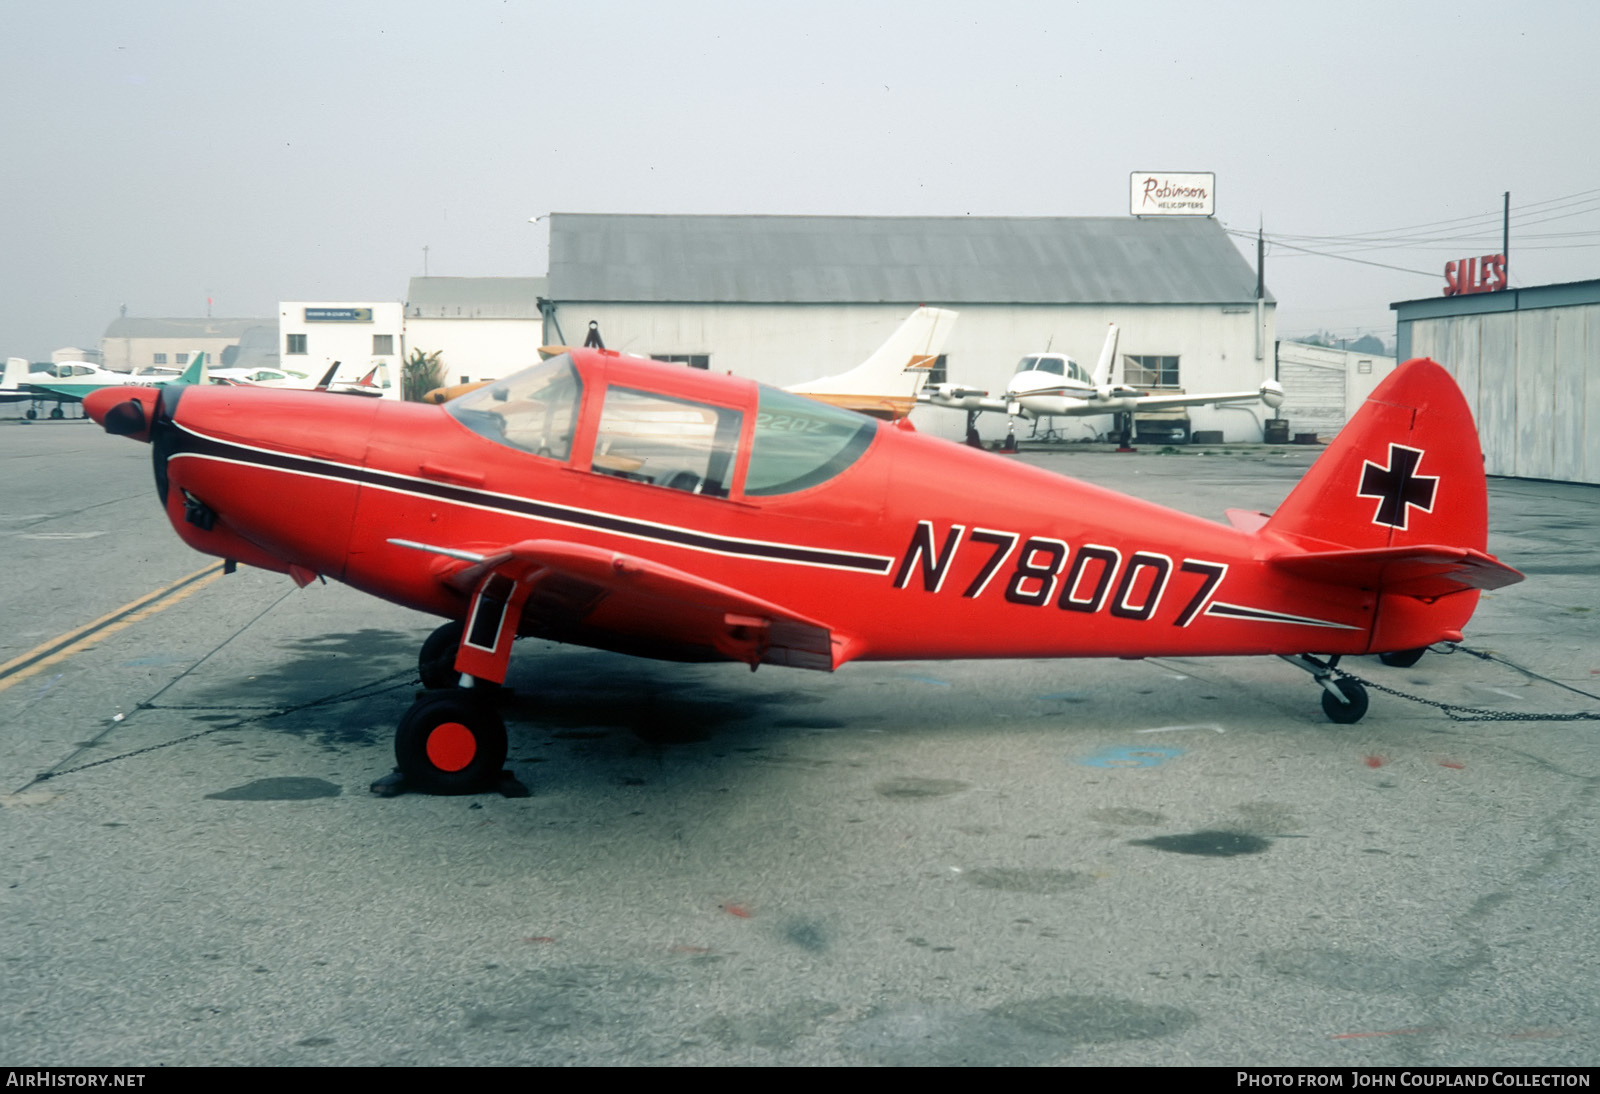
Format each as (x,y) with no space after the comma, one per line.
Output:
(1528,361)
(787,343)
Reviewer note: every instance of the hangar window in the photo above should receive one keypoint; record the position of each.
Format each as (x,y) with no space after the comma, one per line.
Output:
(534,410)
(800,442)
(1150,371)
(159,359)
(294,343)
(676,443)
(183,358)
(383,345)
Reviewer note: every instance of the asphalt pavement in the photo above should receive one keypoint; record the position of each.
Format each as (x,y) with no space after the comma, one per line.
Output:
(1169,862)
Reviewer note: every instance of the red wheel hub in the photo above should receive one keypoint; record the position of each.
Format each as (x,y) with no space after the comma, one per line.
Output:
(451,746)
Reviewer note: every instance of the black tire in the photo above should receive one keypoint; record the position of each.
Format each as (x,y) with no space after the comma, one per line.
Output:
(436,664)
(58,413)
(31,415)
(450,743)
(1345,713)
(1402,659)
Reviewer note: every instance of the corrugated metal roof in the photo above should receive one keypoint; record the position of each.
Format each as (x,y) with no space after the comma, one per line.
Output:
(475,297)
(902,260)
(130,327)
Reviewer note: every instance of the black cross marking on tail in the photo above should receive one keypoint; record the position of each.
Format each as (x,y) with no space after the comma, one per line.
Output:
(1398,486)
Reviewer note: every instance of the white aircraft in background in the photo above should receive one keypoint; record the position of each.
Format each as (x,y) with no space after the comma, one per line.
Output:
(885,385)
(262,377)
(1049,385)
(70,381)
(888,383)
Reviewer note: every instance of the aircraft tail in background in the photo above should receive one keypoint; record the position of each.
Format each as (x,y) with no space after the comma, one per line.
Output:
(885,385)
(16,374)
(1108,356)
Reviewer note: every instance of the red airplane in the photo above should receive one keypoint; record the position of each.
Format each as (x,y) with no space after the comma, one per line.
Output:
(660,511)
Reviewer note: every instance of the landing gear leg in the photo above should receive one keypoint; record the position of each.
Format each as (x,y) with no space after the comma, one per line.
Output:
(1125,433)
(1343,699)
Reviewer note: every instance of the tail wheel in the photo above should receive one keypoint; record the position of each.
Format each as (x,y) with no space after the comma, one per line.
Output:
(1402,659)
(450,743)
(436,664)
(1347,712)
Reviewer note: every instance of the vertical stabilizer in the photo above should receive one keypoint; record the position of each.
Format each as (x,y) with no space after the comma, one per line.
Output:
(16,373)
(897,368)
(196,372)
(1406,470)
(1108,354)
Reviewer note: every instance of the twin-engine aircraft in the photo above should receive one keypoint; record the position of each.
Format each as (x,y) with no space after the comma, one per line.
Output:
(665,512)
(1048,385)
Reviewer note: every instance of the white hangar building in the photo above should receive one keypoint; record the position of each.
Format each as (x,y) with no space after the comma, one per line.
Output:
(783,299)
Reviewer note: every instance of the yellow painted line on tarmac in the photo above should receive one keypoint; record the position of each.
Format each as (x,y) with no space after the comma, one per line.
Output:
(64,646)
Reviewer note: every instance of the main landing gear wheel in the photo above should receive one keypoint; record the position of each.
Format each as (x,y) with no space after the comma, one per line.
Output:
(1349,711)
(436,664)
(1402,659)
(450,742)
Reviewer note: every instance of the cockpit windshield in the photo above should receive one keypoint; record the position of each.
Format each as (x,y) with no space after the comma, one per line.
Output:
(1042,364)
(1055,364)
(535,409)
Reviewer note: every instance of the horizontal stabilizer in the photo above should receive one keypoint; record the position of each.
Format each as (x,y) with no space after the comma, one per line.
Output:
(1427,570)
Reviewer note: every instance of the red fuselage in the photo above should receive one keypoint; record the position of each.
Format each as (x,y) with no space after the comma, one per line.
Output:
(916,548)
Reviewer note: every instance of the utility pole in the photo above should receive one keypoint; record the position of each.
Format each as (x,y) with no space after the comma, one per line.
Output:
(1261,292)
(1505,237)
(424,260)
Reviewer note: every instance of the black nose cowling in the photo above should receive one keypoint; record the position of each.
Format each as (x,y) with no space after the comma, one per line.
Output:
(126,419)
(164,434)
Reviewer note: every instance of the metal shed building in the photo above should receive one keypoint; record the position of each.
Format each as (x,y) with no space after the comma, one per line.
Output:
(1528,361)
(783,299)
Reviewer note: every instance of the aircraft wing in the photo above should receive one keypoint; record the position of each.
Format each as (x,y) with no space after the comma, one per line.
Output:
(1269,393)
(957,397)
(620,602)
(74,395)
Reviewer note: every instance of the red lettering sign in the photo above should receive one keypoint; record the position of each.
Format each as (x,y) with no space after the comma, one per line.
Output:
(1473,275)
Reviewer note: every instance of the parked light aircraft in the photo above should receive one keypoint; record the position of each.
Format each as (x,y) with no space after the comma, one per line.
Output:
(1054,385)
(885,385)
(665,512)
(262,377)
(71,381)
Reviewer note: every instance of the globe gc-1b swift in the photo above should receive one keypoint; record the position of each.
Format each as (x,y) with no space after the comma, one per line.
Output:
(665,512)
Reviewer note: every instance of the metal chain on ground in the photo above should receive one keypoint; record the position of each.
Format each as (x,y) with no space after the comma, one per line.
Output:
(1458,713)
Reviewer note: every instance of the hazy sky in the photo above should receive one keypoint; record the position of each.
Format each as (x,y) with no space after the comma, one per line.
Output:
(155,154)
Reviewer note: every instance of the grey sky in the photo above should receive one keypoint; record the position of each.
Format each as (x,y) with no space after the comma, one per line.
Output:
(153,154)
